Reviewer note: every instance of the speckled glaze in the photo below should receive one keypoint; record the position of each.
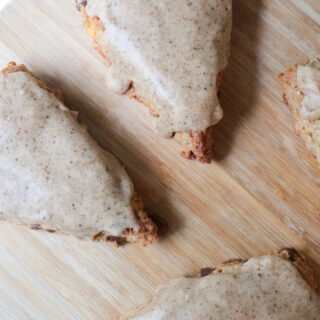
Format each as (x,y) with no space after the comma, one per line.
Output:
(171,52)
(264,288)
(309,83)
(52,172)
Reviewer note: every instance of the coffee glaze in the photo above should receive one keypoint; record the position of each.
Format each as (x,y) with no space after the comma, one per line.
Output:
(53,175)
(171,53)
(264,288)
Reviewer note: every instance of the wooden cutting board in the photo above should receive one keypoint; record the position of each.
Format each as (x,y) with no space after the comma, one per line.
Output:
(261,193)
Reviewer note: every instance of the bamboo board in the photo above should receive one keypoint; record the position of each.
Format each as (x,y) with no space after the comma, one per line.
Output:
(261,193)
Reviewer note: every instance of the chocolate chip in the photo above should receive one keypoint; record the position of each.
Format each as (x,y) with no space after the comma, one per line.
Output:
(206,271)
(81,3)
(120,241)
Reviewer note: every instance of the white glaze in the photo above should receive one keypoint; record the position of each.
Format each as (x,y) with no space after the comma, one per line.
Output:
(172,52)
(52,172)
(309,83)
(264,288)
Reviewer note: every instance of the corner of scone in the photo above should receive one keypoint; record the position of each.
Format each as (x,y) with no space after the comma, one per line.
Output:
(13,67)
(196,144)
(300,87)
(59,124)
(298,260)
(147,233)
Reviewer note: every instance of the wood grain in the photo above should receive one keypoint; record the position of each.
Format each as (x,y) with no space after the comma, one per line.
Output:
(261,193)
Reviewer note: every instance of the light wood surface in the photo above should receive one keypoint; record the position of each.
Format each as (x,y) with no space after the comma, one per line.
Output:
(261,193)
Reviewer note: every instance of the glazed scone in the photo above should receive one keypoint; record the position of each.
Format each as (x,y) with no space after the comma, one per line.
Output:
(277,286)
(170,58)
(54,176)
(300,87)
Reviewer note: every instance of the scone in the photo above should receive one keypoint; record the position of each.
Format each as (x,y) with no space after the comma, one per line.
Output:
(54,176)
(169,55)
(300,86)
(277,286)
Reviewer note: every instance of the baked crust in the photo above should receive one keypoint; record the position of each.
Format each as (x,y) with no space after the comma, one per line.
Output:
(292,96)
(148,230)
(195,144)
(289,254)
(289,86)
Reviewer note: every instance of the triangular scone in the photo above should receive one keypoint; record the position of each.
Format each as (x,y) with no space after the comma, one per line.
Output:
(267,287)
(54,176)
(300,87)
(169,55)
